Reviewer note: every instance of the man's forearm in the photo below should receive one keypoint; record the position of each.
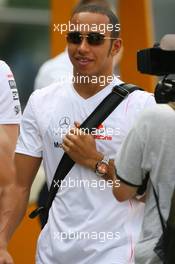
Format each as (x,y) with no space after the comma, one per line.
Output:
(13,204)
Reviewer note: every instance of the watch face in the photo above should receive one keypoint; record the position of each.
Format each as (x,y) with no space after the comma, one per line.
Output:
(102,168)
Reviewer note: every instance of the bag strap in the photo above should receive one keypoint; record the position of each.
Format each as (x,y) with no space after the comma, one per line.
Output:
(158,208)
(101,112)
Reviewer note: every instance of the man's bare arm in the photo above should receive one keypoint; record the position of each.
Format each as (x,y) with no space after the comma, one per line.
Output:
(6,163)
(14,198)
(121,190)
(12,131)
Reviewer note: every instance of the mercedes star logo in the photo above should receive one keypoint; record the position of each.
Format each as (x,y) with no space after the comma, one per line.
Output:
(64,122)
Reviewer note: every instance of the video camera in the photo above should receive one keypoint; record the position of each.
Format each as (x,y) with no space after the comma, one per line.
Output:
(160,61)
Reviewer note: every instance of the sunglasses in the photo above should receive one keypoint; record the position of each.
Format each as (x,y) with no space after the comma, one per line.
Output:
(93,38)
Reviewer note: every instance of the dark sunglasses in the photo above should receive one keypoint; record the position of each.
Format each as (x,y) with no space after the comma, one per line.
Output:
(93,38)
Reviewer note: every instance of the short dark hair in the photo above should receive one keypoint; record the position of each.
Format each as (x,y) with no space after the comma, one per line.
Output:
(103,3)
(96,9)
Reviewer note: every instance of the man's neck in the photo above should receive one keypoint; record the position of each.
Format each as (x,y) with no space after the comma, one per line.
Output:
(92,85)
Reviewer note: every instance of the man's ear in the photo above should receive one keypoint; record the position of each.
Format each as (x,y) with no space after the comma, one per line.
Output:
(116,46)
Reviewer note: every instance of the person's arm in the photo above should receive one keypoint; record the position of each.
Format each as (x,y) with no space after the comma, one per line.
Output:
(14,200)
(6,163)
(14,197)
(130,163)
(122,191)
(12,131)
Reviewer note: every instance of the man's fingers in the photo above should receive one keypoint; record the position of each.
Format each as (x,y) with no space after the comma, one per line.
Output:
(70,138)
(77,124)
(66,149)
(76,131)
(69,142)
(72,131)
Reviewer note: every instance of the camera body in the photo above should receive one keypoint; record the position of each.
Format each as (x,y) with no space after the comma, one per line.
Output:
(160,62)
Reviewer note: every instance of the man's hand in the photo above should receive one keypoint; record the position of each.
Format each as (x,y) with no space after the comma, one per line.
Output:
(5,257)
(81,147)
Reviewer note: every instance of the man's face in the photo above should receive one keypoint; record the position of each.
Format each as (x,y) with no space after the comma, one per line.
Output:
(88,59)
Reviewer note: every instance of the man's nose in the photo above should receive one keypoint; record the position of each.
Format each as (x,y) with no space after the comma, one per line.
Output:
(83,46)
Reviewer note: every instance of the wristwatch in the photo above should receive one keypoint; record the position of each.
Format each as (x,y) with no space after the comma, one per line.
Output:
(101,168)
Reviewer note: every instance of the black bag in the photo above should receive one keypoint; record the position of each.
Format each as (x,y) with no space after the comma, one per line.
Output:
(160,246)
(165,247)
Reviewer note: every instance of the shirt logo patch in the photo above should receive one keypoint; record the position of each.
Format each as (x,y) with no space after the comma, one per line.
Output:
(12,84)
(102,133)
(60,130)
(14,90)
(17,109)
(64,122)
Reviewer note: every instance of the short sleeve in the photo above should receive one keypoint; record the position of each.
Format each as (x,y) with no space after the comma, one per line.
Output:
(128,161)
(150,101)
(10,110)
(30,140)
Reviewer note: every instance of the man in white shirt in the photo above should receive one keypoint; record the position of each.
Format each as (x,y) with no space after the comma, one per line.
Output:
(10,115)
(10,111)
(85,223)
(60,69)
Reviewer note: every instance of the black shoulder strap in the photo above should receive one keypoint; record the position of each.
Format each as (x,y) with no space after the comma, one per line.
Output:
(158,208)
(102,111)
(142,189)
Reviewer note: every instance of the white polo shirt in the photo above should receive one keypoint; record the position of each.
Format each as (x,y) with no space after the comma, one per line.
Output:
(86,224)
(10,111)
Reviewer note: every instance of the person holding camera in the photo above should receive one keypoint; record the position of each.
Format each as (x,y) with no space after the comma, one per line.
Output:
(149,147)
(147,156)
